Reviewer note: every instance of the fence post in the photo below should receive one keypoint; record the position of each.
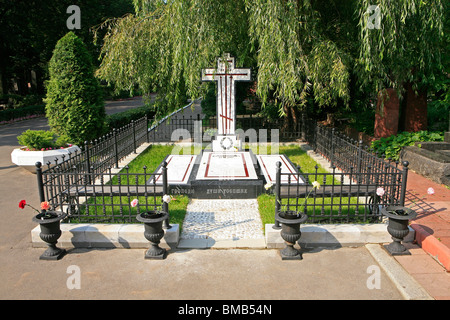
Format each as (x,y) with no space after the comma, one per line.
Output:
(404,179)
(332,148)
(359,160)
(116,149)
(40,181)
(165,205)
(146,128)
(277,194)
(303,128)
(133,125)
(88,161)
(154,129)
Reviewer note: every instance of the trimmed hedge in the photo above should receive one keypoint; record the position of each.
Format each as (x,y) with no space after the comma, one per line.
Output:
(22,112)
(124,118)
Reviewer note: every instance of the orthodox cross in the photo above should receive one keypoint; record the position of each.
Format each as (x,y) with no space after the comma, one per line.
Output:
(226,75)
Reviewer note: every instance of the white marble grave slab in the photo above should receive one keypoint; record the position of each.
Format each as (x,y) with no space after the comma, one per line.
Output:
(226,165)
(268,165)
(179,168)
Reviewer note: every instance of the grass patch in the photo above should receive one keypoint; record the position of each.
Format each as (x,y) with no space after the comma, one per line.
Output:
(117,209)
(318,209)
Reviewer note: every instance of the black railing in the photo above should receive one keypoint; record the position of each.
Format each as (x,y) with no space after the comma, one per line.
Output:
(353,191)
(84,184)
(341,197)
(108,198)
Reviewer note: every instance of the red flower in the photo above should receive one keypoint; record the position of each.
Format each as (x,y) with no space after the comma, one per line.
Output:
(22,204)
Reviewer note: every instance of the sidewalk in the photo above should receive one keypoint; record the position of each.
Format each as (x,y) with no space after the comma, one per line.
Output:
(432,226)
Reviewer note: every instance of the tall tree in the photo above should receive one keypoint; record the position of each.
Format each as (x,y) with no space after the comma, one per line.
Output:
(74,102)
(404,51)
(165,44)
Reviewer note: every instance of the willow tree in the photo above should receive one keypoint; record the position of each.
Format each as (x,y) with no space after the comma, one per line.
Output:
(165,44)
(294,58)
(403,48)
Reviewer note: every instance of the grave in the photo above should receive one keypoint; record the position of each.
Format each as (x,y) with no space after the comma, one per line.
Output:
(225,170)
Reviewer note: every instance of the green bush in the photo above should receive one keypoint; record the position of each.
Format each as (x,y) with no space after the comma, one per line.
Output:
(41,139)
(21,113)
(121,119)
(392,145)
(75,105)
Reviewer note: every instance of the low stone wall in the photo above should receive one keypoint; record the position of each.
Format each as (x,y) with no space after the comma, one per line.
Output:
(433,165)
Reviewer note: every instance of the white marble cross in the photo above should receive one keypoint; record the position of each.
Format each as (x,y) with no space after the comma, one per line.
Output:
(226,75)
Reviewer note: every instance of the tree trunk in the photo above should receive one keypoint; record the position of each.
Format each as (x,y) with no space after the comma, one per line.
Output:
(387,113)
(414,113)
(291,121)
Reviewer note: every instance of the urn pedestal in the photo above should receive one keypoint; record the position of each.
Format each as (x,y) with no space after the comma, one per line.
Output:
(398,228)
(290,232)
(50,233)
(153,232)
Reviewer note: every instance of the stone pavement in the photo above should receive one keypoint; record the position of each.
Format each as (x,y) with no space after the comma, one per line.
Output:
(222,223)
(363,273)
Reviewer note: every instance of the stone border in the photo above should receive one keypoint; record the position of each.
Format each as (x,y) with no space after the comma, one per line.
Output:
(336,235)
(132,236)
(129,236)
(409,288)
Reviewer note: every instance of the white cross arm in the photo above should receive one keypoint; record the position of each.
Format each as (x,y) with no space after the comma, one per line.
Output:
(208,74)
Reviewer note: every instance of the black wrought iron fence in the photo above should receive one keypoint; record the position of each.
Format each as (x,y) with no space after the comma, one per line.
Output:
(341,196)
(106,199)
(84,185)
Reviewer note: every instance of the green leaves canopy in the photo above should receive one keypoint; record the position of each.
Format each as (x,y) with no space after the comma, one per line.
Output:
(406,48)
(164,46)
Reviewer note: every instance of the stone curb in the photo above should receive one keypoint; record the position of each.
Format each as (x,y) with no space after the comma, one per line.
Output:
(107,236)
(432,245)
(132,236)
(409,288)
(336,235)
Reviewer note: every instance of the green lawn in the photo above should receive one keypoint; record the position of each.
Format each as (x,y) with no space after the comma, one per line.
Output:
(299,157)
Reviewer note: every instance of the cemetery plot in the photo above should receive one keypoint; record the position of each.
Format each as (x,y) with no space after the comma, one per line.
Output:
(267,163)
(179,168)
(216,165)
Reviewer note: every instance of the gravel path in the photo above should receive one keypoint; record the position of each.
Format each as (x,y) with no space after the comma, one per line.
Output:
(222,220)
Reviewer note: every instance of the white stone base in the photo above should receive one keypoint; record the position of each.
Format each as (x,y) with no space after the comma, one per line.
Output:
(132,236)
(28,159)
(336,235)
(226,166)
(106,236)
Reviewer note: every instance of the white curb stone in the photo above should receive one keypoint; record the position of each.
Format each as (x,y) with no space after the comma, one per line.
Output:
(106,236)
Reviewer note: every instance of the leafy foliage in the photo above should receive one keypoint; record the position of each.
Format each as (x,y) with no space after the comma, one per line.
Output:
(165,44)
(392,145)
(41,139)
(407,46)
(75,106)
